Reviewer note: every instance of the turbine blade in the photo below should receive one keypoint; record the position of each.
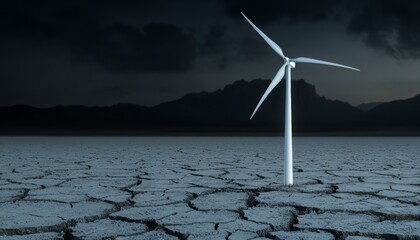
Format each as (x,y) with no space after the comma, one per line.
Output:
(274,82)
(270,42)
(316,61)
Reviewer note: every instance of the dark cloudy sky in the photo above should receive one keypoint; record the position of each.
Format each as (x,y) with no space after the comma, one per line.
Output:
(147,52)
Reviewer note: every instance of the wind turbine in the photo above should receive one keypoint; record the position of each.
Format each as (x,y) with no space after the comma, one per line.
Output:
(288,65)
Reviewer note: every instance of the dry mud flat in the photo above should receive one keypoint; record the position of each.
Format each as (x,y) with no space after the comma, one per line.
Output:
(206,188)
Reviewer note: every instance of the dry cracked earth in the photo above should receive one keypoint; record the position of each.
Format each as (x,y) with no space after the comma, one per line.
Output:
(205,188)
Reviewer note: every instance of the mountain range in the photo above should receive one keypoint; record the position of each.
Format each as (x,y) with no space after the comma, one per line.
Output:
(226,110)
(368,106)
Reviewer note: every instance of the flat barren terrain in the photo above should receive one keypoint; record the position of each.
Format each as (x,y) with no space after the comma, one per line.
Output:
(208,188)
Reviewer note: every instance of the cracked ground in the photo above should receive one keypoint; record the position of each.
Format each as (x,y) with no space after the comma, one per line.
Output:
(130,188)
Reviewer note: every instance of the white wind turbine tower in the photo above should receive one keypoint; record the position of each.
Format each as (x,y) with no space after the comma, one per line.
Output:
(288,65)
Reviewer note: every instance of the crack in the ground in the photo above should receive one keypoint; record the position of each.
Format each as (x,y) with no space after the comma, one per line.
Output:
(152,225)
(260,176)
(306,210)
(192,206)
(241,213)
(21,196)
(333,188)
(294,220)
(68,235)
(251,201)
(389,175)
(318,181)
(341,235)
(216,226)
(228,235)
(60,227)
(179,235)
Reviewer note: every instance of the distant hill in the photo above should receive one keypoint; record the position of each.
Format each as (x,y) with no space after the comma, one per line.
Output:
(235,103)
(368,106)
(397,114)
(224,110)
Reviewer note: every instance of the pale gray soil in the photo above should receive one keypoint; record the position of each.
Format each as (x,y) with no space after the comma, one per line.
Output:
(208,188)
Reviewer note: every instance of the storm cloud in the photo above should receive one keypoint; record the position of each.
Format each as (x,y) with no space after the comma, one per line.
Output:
(149,49)
(270,10)
(391,26)
(102,52)
(101,39)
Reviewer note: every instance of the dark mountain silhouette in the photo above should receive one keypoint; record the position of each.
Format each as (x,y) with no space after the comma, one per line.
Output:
(225,110)
(234,104)
(400,114)
(368,106)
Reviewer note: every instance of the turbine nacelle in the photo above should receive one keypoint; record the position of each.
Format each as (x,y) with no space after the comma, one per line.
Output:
(292,64)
